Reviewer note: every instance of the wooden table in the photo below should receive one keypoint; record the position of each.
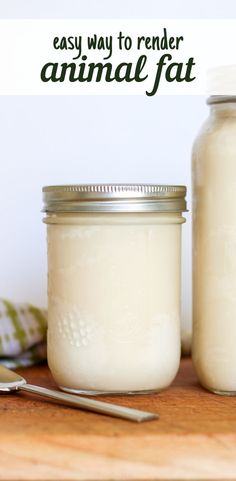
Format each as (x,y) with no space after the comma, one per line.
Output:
(195,437)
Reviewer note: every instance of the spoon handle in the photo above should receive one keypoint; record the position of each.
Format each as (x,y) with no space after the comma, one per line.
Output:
(91,404)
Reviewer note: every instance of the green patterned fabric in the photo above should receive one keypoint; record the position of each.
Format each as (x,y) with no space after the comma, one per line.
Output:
(23,330)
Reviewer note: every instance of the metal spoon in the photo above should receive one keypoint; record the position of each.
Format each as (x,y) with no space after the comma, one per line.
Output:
(10,381)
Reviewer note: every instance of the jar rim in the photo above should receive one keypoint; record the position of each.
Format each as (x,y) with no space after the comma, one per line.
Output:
(114,198)
(221,99)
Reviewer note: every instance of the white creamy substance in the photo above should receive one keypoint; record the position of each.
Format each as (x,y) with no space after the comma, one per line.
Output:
(214,261)
(114,300)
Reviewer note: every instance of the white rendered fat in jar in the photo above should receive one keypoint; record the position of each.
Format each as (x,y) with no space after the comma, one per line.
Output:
(214,248)
(114,287)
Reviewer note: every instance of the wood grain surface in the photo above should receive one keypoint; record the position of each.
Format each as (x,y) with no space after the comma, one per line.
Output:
(195,437)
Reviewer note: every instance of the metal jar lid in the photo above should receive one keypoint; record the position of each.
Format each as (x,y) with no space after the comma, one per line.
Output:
(114,198)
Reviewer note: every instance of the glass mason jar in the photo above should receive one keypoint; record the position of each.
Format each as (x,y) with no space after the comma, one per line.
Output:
(214,248)
(114,286)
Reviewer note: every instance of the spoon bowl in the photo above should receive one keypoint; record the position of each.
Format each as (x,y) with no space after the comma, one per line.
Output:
(9,380)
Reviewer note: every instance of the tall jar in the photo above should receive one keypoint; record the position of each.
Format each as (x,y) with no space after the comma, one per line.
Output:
(114,286)
(214,248)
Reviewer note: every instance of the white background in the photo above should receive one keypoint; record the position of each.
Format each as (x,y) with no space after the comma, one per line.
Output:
(50,140)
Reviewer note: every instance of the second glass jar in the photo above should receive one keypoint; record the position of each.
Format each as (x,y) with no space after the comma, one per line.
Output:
(214,248)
